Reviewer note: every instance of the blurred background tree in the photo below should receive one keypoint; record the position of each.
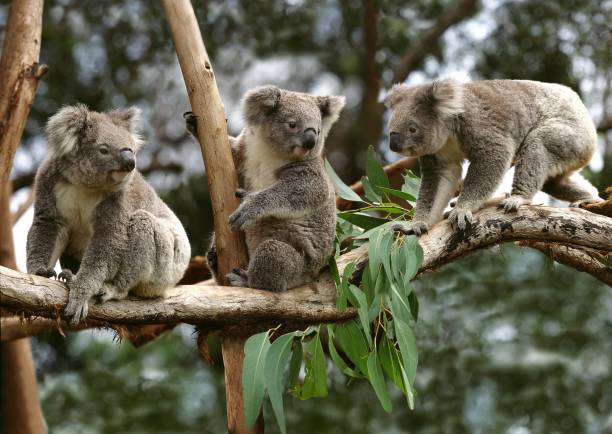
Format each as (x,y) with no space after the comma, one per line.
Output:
(507,345)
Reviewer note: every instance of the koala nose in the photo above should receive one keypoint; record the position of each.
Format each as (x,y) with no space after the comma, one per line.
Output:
(127,159)
(309,140)
(395,141)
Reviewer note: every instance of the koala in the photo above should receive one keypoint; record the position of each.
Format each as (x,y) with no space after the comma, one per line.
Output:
(288,209)
(95,213)
(543,129)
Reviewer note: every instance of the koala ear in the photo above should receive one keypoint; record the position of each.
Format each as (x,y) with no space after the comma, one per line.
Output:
(447,98)
(330,107)
(126,118)
(64,128)
(260,102)
(395,95)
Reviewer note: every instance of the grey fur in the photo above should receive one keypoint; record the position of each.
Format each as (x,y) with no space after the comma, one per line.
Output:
(97,214)
(288,210)
(541,128)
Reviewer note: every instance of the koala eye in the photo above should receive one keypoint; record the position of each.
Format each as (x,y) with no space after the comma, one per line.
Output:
(292,125)
(412,129)
(103,150)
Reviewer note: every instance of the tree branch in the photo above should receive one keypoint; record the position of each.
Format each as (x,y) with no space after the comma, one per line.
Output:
(415,54)
(222,307)
(581,258)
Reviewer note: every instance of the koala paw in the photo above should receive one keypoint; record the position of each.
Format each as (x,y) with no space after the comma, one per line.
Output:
(241,193)
(65,276)
(238,277)
(583,202)
(108,292)
(45,272)
(242,218)
(513,202)
(417,228)
(191,122)
(76,309)
(460,218)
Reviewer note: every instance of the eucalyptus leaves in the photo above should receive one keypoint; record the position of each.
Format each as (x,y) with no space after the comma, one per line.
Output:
(379,343)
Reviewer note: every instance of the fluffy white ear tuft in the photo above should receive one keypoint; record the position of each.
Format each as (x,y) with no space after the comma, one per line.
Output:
(395,95)
(64,127)
(330,107)
(447,96)
(260,102)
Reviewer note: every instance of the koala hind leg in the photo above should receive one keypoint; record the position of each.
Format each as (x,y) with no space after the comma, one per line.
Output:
(530,173)
(275,266)
(147,260)
(572,188)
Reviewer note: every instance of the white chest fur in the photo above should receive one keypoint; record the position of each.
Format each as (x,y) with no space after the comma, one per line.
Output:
(77,204)
(260,162)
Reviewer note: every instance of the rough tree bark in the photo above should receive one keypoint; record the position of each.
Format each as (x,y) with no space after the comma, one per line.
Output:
(19,75)
(218,307)
(222,180)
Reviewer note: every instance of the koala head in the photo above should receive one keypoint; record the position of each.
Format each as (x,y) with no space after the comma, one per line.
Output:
(97,150)
(294,123)
(421,116)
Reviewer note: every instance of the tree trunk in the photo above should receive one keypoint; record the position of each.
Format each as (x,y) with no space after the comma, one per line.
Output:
(19,74)
(222,179)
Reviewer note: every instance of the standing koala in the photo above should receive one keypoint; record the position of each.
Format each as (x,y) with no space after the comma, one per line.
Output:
(288,211)
(97,214)
(543,129)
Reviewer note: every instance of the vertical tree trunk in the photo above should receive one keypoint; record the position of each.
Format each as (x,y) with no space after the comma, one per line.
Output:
(19,74)
(206,104)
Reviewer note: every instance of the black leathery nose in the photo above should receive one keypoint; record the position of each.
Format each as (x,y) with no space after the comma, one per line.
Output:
(127,159)
(395,141)
(309,139)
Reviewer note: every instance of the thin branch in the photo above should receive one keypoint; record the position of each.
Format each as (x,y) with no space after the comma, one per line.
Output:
(581,258)
(415,54)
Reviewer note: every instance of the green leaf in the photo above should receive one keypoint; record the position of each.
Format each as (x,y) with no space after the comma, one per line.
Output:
(389,208)
(362,310)
(342,190)
(407,344)
(276,361)
(336,358)
(343,288)
(374,170)
(411,184)
(253,386)
(294,366)
(413,301)
(362,220)
(391,362)
(377,379)
(397,193)
(370,191)
(399,304)
(315,380)
(353,344)
(409,392)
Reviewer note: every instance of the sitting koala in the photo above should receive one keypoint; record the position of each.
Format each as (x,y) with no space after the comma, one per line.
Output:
(288,210)
(542,129)
(97,214)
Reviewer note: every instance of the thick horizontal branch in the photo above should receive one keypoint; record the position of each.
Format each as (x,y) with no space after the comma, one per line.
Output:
(221,307)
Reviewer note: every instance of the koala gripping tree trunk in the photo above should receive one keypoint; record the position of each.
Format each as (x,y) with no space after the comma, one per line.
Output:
(207,106)
(19,74)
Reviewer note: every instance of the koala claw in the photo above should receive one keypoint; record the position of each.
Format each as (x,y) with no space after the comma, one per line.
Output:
(238,277)
(45,272)
(460,218)
(76,309)
(513,202)
(65,276)
(191,122)
(582,203)
(240,219)
(414,228)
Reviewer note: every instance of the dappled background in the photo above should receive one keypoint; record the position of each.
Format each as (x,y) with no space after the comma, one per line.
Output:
(509,341)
